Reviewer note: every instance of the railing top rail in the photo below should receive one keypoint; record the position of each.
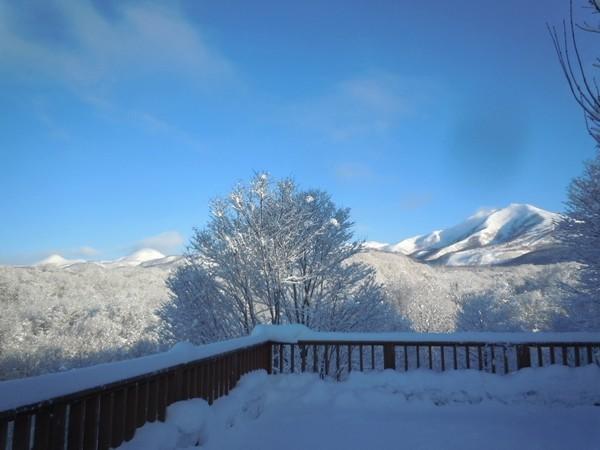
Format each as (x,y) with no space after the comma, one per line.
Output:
(440,343)
(297,334)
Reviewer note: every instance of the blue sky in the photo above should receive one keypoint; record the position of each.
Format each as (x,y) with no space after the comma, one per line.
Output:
(120,120)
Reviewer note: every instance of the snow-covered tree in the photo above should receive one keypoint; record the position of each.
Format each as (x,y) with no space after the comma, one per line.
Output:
(580,230)
(273,253)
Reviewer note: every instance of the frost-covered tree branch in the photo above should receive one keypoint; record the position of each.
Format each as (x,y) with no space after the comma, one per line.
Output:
(273,253)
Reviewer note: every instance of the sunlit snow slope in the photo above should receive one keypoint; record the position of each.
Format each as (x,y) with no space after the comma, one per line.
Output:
(517,233)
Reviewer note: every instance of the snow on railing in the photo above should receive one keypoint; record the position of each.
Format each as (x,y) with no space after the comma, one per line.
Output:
(101,406)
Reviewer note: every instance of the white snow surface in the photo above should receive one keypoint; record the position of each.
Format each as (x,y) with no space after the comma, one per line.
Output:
(58,260)
(486,238)
(547,408)
(25,391)
(143,257)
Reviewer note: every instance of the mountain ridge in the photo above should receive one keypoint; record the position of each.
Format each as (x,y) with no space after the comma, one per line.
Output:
(488,237)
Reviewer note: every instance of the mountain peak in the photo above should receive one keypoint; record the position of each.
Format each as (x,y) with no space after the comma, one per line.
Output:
(57,260)
(490,236)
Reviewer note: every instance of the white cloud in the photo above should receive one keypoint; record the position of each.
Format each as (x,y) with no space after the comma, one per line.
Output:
(169,242)
(367,105)
(353,171)
(101,50)
(86,251)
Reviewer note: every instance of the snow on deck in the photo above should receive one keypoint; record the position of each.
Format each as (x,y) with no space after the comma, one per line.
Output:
(546,408)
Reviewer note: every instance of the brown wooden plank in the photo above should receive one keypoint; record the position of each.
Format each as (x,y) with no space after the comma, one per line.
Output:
(162,399)
(455,356)
(152,407)
(90,426)
(41,434)
(118,423)
(58,424)
(105,424)
(131,411)
(142,404)
(430,357)
(389,356)
(76,417)
(22,432)
(442,358)
(3,434)
(195,391)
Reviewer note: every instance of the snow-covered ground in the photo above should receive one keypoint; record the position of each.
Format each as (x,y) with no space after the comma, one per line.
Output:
(550,408)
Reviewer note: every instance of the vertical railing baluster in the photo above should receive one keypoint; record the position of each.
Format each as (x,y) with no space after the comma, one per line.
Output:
(41,437)
(360,355)
(22,432)
(315,359)
(292,358)
(467,357)
(349,350)
(280,358)
(454,356)
(405,350)
(418,351)
(552,355)
(105,424)
(372,357)
(442,358)
(430,358)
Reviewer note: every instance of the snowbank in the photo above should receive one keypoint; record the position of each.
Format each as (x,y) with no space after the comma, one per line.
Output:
(550,408)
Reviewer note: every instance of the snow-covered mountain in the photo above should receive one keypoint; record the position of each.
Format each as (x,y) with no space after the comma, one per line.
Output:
(146,257)
(517,233)
(58,261)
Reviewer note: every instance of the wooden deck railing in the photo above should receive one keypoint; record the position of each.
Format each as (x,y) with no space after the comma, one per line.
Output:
(336,358)
(105,416)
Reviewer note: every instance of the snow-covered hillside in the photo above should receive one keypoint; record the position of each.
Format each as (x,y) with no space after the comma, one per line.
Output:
(145,257)
(489,237)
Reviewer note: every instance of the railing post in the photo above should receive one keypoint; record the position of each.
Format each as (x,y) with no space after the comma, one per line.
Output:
(389,356)
(269,358)
(523,356)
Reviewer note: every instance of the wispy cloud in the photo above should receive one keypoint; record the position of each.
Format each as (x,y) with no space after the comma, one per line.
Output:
(168,242)
(87,49)
(353,172)
(362,106)
(412,202)
(86,251)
